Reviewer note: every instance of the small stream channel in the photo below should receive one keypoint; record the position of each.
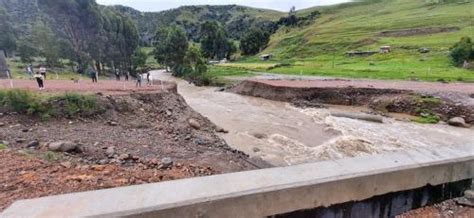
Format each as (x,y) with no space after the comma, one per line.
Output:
(283,135)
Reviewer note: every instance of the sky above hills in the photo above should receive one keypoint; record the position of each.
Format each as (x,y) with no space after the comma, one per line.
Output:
(160,5)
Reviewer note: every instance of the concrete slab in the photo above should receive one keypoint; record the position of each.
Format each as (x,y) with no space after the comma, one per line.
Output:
(264,192)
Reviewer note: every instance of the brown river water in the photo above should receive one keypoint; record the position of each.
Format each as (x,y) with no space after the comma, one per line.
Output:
(283,135)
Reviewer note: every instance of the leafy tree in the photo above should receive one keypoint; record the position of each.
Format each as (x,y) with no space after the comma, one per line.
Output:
(214,42)
(45,42)
(78,21)
(195,66)
(254,41)
(7,36)
(139,59)
(170,47)
(26,50)
(462,51)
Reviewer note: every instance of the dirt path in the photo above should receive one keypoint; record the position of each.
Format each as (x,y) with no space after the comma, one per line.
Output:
(106,86)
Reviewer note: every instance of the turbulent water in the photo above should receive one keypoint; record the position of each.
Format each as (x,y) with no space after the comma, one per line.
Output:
(284,135)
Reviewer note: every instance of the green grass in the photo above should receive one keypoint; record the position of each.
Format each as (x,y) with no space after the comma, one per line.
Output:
(18,70)
(427,119)
(318,49)
(47,106)
(52,156)
(151,61)
(3,146)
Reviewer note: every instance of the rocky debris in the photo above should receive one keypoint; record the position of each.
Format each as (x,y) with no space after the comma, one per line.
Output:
(66,164)
(65,146)
(457,121)
(260,135)
(194,123)
(20,140)
(220,89)
(301,103)
(221,130)
(33,144)
(124,157)
(255,149)
(110,151)
(112,123)
(359,116)
(165,163)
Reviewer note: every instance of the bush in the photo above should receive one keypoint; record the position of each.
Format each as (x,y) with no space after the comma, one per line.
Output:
(462,51)
(72,104)
(25,102)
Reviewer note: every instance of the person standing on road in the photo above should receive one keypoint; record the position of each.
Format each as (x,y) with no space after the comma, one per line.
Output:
(42,71)
(117,74)
(139,80)
(148,80)
(92,74)
(40,80)
(127,74)
(29,70)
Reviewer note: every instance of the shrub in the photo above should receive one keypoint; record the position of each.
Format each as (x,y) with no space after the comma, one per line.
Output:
(25,102)
(462,51)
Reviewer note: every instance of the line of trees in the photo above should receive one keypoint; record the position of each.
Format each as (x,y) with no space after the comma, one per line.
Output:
(173,50)
(79,30)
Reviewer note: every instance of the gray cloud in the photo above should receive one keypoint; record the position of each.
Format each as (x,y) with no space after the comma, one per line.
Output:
(159,5)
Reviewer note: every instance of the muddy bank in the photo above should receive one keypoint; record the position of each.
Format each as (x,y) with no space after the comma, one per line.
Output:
(381,100)
(139,138)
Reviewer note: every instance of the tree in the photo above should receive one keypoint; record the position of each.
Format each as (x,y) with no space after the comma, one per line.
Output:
(78,21)
(139,59)
(45,42)
(214,42)
(26,50)
(171,46)
(462,51)
(195,67)
(7,36)
(254,41)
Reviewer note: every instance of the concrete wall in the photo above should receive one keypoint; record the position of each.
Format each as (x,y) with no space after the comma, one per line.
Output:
(265,192)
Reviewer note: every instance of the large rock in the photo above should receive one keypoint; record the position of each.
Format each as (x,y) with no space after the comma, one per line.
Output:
(194,123)
(65,146)
(166,163)
(457,121)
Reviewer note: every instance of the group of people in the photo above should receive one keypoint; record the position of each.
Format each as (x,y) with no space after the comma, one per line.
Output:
(40,75)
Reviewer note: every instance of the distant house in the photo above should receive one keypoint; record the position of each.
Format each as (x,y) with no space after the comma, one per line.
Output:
(212,62)
(385,49)
(266,57)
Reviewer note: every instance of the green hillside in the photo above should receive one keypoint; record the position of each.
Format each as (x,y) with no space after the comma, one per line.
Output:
(405,25)
(235,19)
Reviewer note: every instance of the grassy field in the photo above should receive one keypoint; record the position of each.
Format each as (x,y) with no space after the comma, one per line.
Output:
(318,48)
(18,70)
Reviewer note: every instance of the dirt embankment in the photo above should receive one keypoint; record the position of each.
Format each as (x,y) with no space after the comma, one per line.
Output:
(379,99)
(139,138)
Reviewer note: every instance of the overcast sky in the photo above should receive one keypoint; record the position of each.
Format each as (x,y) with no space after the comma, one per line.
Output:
(160,5)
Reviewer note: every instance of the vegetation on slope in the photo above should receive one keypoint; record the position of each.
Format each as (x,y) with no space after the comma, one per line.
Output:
(234,18)
(405,25)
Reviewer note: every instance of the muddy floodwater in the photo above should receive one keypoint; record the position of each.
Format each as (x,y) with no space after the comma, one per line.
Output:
(284,135)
